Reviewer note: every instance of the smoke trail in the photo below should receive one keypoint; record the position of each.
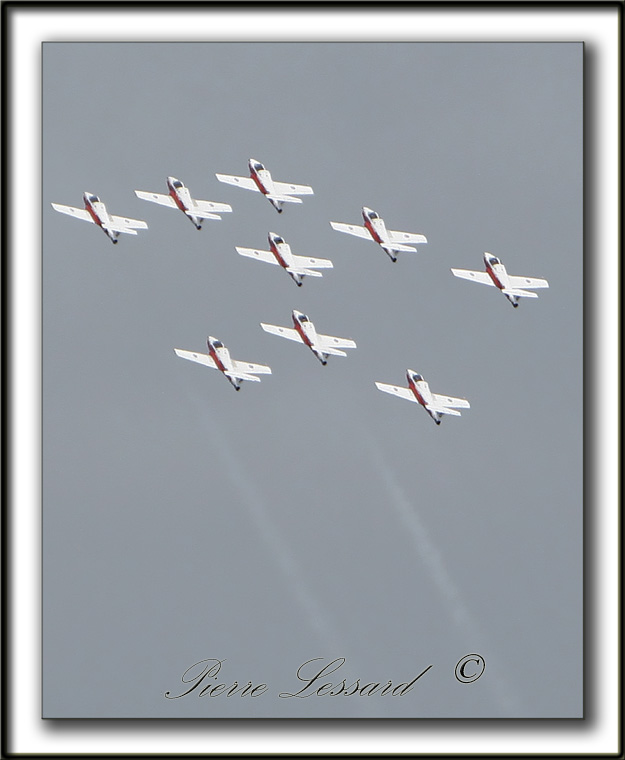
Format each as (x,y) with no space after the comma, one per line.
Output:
(435,565)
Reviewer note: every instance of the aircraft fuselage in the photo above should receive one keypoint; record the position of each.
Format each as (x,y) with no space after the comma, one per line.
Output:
(308,334)
(375,225)
(97,210)
(221,356)
(281,250)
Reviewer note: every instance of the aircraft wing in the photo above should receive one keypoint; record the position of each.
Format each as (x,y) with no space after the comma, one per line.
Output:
(211,207)
(254,253)
(445,401)
(246,182)
(527,282)
(406,237)
(395,390)
(163,200)
(78,213)
(284,188)
(352,229)
(283,332)
(249,368)
(123,224)
(329,341)
(305,261)
(194,357)
(467,274)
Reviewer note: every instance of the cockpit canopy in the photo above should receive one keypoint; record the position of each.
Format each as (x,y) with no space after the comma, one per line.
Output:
(93,198)
(303,318)
(177,184)
(218,344)
(373,215)
(278,240)
(493,260)
(417,377)
(257,166)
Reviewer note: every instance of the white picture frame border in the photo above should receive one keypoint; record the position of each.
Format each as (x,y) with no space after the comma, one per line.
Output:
(598,27)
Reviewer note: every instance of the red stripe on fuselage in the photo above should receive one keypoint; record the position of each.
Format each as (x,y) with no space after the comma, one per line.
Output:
(177,200)
(259,183)
(89,208)
(493,277)
(372,231)
(416,393)
(277,254)
(220,365)
(303,335)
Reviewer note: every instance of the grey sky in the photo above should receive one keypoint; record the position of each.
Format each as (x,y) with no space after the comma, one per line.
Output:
(311,515)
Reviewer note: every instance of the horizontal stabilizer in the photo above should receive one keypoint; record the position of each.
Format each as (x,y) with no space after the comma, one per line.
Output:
(304,272)
(284,199)
(443,410)
(125,230)
(242,376)
(332,351)
(396,248)
(199,214)
(519,293)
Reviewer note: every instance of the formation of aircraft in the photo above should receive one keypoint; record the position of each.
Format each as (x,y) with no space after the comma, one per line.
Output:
(260,180)
(305,332)
(280,253)
(96,213)
(392,242)
(218,357)
(419,392)
(510,285)
(180,197)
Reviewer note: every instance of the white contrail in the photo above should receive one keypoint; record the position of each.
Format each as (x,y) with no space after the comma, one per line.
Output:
(435,565)
(278,549)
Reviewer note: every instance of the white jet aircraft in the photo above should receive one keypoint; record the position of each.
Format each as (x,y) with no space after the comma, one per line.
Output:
(322,346)
(297,267)
(419,391)
(96,213)
(495,274)
(180,197)
(392,242)
(260,180)
(218,357)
